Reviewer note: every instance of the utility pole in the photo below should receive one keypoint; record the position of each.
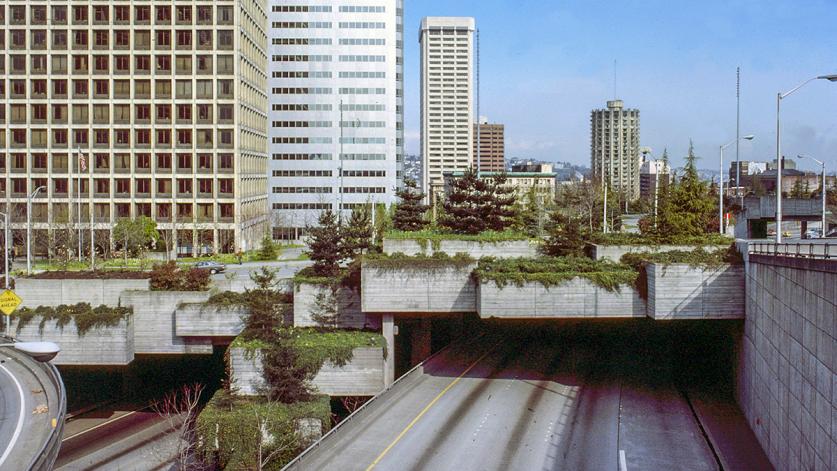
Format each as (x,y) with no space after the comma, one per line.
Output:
(78,200)
(737,133)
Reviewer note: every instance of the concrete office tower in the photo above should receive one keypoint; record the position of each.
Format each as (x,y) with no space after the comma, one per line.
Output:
(447,105)
(614,148)
(164,100)
(492,146)
(322,53)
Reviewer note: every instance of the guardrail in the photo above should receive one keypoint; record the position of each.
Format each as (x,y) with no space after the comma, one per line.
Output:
(45,458)
(824,251)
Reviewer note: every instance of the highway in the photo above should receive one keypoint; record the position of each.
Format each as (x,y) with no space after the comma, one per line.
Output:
(523,402)
(28,405)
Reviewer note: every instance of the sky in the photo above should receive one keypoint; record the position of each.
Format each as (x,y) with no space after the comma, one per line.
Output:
(546,64)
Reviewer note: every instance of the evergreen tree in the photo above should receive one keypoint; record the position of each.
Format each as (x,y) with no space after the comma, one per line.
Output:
(502,197)
(474,205)
(689,209)
(410,212)
(325,247)
(566,236)
(358,234)
(268,250)
(529,213)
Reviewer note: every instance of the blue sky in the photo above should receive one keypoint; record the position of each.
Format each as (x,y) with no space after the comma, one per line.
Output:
(546,64)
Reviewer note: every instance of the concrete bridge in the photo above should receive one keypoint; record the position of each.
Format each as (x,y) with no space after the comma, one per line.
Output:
(759,210)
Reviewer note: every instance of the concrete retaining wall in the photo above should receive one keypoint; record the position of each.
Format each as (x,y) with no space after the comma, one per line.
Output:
(35,292)
(506,249)
(155,320)
(615,252)
(443,289)
(363,376)
(575,298)
(200,320)
(787,377)
(350,314)
(679,291)
(98,346)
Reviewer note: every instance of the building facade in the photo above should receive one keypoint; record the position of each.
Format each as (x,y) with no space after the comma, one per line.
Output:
(521,179)
(336,108)
(489,146)
(614,148)
(447,102)
(748,167)
(117,109)
(653,174)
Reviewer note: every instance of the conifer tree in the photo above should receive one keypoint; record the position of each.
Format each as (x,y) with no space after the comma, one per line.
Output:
(358,233)
(502,197)
(410,212)
(474,205)
(325,247)
(689,208)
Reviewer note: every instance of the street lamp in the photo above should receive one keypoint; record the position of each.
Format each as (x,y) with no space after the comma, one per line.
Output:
(748,137)
(29,228)
(40,351)
(822,164)
(779,97)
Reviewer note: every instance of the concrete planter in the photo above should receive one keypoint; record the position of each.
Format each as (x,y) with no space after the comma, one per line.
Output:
(446,289)
(363,376)
(505,249)
(577,298)
(201,320)
(98,346)
(155,321)
(615,252)
(678,291)
(350,314)
(36,292)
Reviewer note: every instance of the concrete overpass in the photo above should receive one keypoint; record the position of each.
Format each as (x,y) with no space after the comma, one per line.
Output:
(32,408)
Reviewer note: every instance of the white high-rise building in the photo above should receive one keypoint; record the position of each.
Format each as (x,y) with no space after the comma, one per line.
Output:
(614,148)
(447,98)
(324,53)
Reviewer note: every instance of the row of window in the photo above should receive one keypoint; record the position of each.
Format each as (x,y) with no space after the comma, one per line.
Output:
(186,213)
(327,9)
(302,173)
(302,206)
(121,137)
(120,14)
(81,113)
(183,89)
(326,58)
(301,140)
(328,24)
(103,161)
(101,64)
(301,107)
(301,156)
(119,39)
(301,124)
(301,74)
(328,189)
(141,186)
(301,41)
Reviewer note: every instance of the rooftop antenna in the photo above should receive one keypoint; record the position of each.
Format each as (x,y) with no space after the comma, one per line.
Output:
(615,97)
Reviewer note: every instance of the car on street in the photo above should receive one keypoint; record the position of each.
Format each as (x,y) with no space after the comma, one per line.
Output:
(812,234)
(212,267)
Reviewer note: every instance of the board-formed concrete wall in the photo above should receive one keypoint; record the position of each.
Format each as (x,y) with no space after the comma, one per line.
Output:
(36,292)
(505,249)
(362,376)
(787,375)
(154,321)
(678,291)
(446,289)
(350,314)
(98,346)
(575,298)
(201,320)
(614,252)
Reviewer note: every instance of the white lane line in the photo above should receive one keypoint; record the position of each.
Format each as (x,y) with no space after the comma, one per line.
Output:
(19,419)
(623,463)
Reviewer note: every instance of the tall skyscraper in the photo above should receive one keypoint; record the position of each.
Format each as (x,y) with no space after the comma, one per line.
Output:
(323,156)
(447,101)
(116,109)
(614,148)
(491,148)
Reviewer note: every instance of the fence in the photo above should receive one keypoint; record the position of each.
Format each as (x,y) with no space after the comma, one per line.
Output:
(825,251)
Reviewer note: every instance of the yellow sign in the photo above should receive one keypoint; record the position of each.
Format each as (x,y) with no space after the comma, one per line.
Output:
(9,301)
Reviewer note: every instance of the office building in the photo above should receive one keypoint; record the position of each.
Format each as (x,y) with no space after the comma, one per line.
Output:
(748,167)
(653,174)
(522,178)
(489,146)
(614,148)
(324,155)
(447,104)
(117,109)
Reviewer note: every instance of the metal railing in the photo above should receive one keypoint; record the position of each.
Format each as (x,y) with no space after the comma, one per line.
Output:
(825,251)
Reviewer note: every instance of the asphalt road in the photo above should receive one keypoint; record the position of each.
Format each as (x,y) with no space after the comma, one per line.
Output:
(25,417)
(526,403)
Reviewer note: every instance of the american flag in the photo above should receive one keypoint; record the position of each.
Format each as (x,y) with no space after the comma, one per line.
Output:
(82,162)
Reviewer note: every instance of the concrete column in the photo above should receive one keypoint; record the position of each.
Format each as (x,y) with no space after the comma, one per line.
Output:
(388,331)
(420,339)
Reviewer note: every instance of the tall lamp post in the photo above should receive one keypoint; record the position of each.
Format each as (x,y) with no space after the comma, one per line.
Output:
(779,97)
(6,260)
(29,228)
(822,164)
(748,137)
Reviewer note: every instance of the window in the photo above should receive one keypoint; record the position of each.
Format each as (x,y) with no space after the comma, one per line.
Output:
(205,161)
(163,161)
(101,39)
(183,89)
(39,39)
(225,39)
(59,40)
(164,64)
(225,161)
(100,88)
(59,15)
(164,137)
(121,89)
(183,64)
(225,113)
(122,137)
(59,64)
(225,65)
(225,15)
(184,39)
(122,13)
(101,64)
(162,89)
(163,14)
(164,113)
(79,88)
(205,39)
(101,114)
(184,113)
(163,39)
(225,88)
(142,14)
(204,112)
(205,14)
(184,14)
(122,64)
(122,39)
(80,114)
(203,88)
(80,14)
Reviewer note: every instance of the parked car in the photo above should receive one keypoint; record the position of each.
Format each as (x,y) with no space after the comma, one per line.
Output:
(812,234)
(212,267)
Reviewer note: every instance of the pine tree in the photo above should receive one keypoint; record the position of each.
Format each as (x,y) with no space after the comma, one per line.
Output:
(502,197)
(325,247)
(566,236)
(410,212)
(689,209)
(358,234)
(474,205)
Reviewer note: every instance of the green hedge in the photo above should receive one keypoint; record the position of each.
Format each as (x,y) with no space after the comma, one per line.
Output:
(624,238)
(436,235)
(234,299)
(233,423)
(695,258)
(313,348)
(553,271)
(421,262)
(83,315)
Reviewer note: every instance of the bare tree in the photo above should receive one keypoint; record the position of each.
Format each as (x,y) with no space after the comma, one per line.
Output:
(180,410)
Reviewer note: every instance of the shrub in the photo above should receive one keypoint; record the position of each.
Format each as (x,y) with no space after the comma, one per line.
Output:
(170,277)
(84,316)
(553,271)
(268,251)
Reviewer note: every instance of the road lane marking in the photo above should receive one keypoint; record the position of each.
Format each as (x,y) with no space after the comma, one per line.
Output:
(623,463)
(19,427)
(427,407)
